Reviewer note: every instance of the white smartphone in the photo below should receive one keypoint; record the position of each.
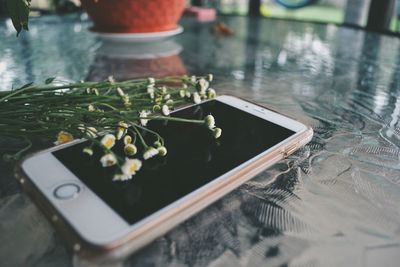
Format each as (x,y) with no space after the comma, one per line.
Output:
(104,219)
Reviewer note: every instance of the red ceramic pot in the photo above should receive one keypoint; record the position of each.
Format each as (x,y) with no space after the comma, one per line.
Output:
(134,16)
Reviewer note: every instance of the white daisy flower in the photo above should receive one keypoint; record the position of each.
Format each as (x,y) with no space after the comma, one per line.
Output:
(143,115)
(210,77)
(108,141)
(196,98)
(188,94)
(167,96)
(150,89)
(130,149)
(209,121)
(165,110)
(193,79)
(202,85)
(91,108)
(108,160)
(63,137)
(111,79)
(151,80)
(164,90)
(150,152)
(182,93)
(131,166)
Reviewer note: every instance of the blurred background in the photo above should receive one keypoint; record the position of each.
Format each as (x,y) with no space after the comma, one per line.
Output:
(350,12)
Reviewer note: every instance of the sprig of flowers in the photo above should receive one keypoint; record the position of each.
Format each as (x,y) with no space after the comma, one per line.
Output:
(116,111)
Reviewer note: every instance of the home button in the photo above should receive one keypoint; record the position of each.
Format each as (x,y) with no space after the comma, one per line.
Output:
(67,191)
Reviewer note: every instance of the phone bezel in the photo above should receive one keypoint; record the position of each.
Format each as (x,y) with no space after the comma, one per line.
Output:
(110,229)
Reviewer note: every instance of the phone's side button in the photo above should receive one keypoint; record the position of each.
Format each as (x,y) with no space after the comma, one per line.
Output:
(67,191)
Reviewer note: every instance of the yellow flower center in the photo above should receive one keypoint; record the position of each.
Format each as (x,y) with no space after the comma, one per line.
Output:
(64,137)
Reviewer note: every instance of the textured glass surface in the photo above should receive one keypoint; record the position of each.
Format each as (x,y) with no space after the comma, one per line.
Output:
(333,203)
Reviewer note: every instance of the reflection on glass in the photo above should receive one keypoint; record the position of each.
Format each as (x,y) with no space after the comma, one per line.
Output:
(135,60)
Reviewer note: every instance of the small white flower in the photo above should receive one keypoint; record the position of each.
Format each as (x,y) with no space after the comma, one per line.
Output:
(202,86)
(151,80)
(193,79)
(108,160)
(150,89)
(91,108)
(196,98)
(130,149)
(209,121)
(131,166)
(162,151)
(143,115)
(165,110)
(108,141)
(170,102)
(167,97)
(127,139)
(121,177)
(88,150)
(211,93)
(188,94)
(122,129)
(182,93)
(210,77)
(63,137)
(217,132)
(150,152)
(111,79)
(164,90)
(151,95)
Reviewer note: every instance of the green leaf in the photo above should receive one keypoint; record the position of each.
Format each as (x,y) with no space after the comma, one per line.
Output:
(19,13)
(50,80)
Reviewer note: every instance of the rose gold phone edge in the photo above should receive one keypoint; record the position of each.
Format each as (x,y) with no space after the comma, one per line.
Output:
(166,221)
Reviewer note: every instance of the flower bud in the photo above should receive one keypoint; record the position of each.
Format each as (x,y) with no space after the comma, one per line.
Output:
(209,121)
(127,139)
(162,151)
(217,132)
(165,110)
(130,149)
(88,151)
(196,98)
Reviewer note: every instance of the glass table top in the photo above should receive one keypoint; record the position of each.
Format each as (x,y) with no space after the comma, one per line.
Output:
(333,203)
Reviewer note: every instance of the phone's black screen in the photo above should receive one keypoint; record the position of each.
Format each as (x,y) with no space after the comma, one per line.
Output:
(194,158)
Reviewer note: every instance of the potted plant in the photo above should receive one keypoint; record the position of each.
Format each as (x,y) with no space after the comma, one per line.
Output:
(134,16)
(122,16)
